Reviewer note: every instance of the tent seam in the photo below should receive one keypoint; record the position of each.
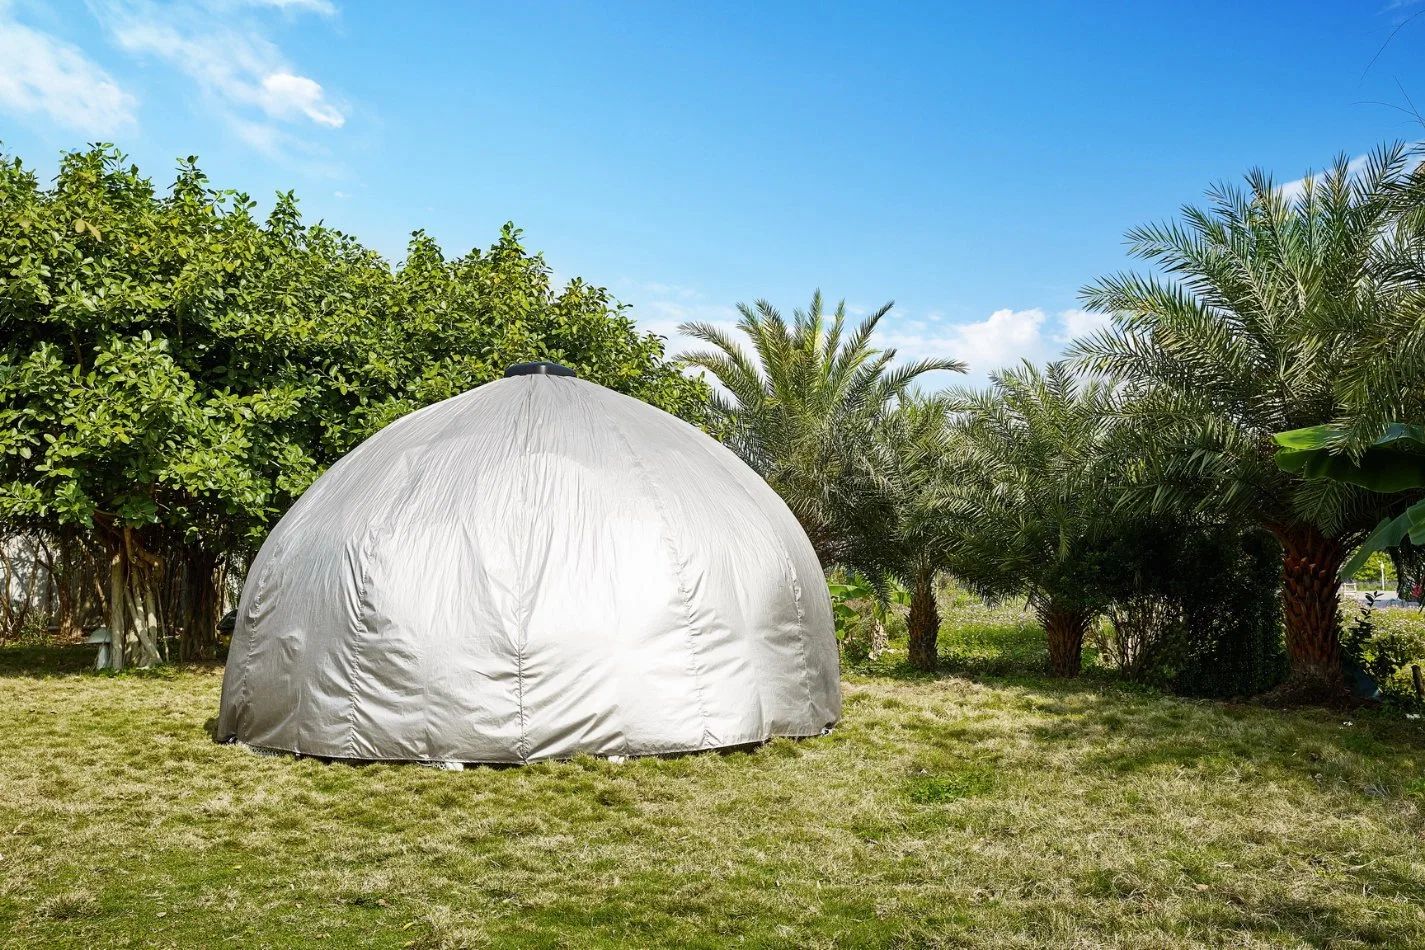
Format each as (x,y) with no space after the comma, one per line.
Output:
(796,589)
(521,614)
(244,696)
(677,573)
(362,631)
(794,582)
(366,555)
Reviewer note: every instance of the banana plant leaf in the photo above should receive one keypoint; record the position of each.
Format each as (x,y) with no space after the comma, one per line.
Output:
(1392,463)
(1389,533)
(859,588)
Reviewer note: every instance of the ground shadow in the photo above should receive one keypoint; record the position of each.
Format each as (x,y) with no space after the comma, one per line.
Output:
(32,661)
(24,660)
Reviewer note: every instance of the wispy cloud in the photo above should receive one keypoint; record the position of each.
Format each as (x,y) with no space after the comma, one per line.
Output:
(244,76)
(662,307)
(43,75)
(665,317)
(323,7)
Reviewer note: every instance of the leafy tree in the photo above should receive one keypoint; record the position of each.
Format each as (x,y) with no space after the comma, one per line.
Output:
(1382,381)
(462,321)
(863,611)
(802,408)
(1034,503)
(1249,331)
(170,370)
(174,372)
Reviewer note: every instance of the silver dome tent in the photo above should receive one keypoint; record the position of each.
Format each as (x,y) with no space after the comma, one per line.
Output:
(537,568)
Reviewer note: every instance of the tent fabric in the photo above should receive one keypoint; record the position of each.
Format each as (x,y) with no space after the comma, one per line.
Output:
(537,568)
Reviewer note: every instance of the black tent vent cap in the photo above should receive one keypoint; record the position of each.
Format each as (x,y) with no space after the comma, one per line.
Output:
(539,369)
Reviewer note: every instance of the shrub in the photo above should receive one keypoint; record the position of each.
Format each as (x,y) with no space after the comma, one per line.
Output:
(1385,642)
(1233,619)
(1195,610)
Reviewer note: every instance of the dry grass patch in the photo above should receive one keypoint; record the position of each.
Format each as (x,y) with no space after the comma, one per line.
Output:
(1010,812)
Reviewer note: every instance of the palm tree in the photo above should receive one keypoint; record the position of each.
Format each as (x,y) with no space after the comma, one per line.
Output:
(1033,504)
(913,453)
(1250,331)
(802,409)
(1383,378)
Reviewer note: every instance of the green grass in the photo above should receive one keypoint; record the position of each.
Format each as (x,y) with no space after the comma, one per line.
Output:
(1001,811)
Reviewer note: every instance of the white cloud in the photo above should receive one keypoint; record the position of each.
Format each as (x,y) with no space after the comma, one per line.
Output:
(663,317)
(1074,324)
(654,289)
(241,70)
(1001,339)
(285,95)
(661,308)
(1295,189)
(44,75)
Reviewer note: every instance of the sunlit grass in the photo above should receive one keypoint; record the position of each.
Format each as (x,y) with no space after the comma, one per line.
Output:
(1005,812)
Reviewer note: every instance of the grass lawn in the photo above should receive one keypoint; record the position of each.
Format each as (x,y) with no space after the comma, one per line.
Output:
(1002,810)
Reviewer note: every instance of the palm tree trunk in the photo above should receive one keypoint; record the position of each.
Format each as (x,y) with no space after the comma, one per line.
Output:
(924,624)
(1311,602)
(1066,628)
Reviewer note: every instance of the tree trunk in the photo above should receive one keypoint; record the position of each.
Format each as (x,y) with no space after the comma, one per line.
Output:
(134,575)
(1065,628)
(1311,602)
(924,624)
(11,626)
(198,622)
(69,586)
(117,615)
(878,636)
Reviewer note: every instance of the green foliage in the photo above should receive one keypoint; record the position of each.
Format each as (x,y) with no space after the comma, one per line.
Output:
(802,408)
(461,322)
(1385,643)
(1253,325)
(1392,462)
(1033,504)
(913,454)
(1232,617)
(173,363)
(1250,332)
(1194,607)
(1378,570)
(864,613)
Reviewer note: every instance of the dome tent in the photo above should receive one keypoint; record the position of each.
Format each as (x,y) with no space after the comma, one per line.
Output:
(537,568)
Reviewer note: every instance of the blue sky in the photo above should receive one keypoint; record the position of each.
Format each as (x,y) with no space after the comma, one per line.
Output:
(977,163)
